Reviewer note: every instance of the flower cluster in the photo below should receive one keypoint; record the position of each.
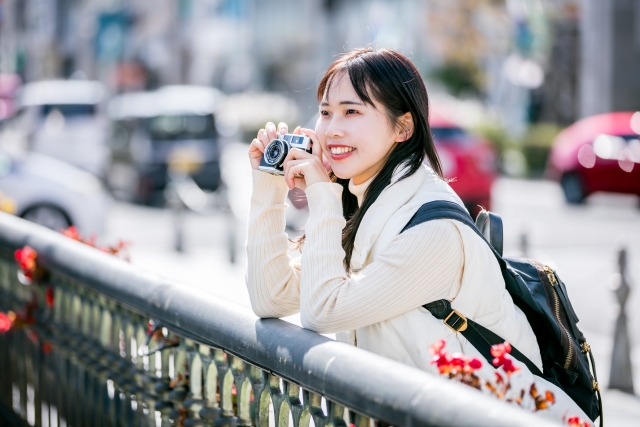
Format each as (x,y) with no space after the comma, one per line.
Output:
(462,368)
(6,322)
(20,318)
(500,352)
(30,272)
(576,422)
(456,366)
(119,250)
(26,259)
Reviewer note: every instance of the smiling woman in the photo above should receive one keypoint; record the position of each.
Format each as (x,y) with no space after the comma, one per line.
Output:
(358,275)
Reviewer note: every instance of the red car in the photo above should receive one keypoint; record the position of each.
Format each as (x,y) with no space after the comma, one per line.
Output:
(467,160)
(598,153)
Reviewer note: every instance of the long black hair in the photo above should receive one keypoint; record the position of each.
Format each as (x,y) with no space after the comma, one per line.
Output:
(394,82)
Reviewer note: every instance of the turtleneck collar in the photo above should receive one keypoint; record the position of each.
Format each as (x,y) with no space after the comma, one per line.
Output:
(359,190)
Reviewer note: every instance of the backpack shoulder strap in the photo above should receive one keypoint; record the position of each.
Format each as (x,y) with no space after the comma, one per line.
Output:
(479,336)
(490,225)
(444,209)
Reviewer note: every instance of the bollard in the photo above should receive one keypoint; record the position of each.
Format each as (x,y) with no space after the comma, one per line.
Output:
(181,165)
(178,226)
(524,244)
(178,211)
(621,375)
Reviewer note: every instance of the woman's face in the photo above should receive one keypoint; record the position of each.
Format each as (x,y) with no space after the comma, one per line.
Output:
(355,137)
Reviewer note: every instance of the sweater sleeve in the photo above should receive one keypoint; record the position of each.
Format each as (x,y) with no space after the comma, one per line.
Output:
(420,265)
(273,278)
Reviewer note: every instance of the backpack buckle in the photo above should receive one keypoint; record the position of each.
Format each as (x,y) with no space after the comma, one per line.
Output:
(458,322)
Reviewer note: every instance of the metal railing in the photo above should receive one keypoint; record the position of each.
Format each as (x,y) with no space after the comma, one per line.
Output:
(120,347)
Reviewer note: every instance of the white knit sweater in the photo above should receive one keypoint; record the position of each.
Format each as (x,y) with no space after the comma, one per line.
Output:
(378,307)
(421,265)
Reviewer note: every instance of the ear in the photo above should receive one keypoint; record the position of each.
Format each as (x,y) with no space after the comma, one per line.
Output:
(405,127)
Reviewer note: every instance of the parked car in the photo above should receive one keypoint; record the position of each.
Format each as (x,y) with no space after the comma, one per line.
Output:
(467,160)
(52,193)
(150,130)
(62,119)
(598,153)
(9,84)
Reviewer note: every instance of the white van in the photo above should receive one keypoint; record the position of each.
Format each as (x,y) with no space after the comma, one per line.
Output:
(63,119)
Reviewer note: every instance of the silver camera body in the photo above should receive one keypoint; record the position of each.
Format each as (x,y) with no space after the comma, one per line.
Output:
(277,150)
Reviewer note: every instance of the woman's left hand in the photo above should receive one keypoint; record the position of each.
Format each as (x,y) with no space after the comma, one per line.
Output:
(302,169)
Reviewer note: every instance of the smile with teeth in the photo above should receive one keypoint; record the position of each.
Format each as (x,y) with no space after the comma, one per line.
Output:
(341,150)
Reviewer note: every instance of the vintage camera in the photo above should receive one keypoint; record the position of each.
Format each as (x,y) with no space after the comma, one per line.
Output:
(277,151)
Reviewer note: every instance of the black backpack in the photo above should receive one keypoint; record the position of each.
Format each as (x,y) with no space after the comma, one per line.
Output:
(540,294)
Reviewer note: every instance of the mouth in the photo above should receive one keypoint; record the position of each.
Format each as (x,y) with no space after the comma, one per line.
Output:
(341,152)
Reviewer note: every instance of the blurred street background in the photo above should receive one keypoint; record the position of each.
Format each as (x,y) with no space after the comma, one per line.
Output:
(130,120)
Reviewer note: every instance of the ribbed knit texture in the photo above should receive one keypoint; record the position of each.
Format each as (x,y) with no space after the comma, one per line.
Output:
(420,265)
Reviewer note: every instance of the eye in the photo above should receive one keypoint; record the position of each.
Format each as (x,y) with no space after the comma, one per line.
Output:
(352,111)
(324,113)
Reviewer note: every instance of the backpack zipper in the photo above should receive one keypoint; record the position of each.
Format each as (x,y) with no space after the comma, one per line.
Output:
(556,299)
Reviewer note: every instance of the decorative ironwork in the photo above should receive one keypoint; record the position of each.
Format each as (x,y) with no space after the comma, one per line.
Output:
(116,347)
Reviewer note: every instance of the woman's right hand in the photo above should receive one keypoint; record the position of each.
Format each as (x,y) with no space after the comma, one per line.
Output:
(260,142)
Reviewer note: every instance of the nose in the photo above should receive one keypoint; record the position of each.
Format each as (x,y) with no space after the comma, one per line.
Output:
(334,130)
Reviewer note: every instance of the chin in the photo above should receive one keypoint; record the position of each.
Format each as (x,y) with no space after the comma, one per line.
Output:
(341,173)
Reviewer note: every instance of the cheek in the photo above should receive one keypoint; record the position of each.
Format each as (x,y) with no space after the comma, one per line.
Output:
(320,130)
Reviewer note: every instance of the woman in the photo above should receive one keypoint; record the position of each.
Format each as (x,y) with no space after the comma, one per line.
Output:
(358,276)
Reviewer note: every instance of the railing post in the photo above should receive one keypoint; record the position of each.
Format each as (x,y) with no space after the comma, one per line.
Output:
(211,410)
(261,396)
(225,382)
(243,392)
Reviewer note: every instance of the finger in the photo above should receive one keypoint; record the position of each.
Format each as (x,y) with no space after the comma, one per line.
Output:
(271,131)
(287,165)
(296,131)
(296,172)
(257,145)
(296,154)
(283,128)
(263,137)
(316,148)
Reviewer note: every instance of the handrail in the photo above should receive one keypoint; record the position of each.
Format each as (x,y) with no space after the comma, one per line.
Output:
(366,383)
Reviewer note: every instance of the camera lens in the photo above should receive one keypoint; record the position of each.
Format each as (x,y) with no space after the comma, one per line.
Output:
(275,152)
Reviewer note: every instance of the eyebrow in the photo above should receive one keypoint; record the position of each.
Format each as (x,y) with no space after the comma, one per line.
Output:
(323,103)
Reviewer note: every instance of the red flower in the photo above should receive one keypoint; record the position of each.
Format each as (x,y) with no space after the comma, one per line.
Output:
(26,258)
(509,367)
(443,363)
(49,297)
(456,364)
(72,233)
(5,323)
(577,422)
(458,360)
(46,348)
(475,364)
(499,351)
